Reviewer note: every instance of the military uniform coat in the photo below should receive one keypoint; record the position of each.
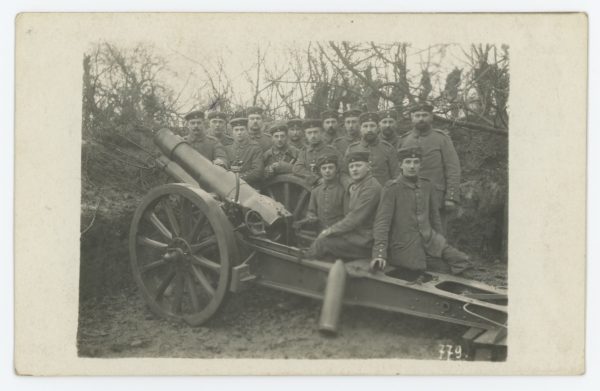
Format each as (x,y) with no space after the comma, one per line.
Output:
(225,139)
(329,138)
(393,140)
(439,162)
(307,160)
(352,236)
(286,158)
(362,200)
(383,157)
(342,143)
(297,144)
(407,224)
(248,156)
(327,203)
(208,146)
(262,139)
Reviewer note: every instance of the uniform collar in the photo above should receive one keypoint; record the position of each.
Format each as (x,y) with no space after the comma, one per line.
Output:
(417,132)
(356,185)
(222,136)
(408,182)
(315,147)
(391,139)
(241,144)
(197,137)
(256,135)
(364,143)
(335,181)
(277,151)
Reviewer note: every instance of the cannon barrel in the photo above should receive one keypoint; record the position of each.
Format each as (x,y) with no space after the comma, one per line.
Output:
(213,178)
(175,171)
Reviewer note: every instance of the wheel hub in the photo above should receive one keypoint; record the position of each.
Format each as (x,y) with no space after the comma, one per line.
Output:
(178,252)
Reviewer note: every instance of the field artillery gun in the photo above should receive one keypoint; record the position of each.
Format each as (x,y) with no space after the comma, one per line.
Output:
(194,242)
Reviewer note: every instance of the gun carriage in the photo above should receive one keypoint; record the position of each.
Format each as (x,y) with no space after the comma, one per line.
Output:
(210,234)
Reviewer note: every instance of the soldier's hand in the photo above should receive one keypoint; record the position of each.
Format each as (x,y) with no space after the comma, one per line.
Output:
(450,205)
(269,171)
(377,264)
(298,224)
(220,163)
(324,233)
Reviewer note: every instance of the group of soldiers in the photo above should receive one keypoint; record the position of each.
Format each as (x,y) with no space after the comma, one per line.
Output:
(376,194)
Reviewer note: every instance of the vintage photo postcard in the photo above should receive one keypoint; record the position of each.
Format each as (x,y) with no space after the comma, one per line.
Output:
(306,194)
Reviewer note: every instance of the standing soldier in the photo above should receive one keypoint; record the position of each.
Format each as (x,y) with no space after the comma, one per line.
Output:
(218,128)
(326,205)
(207,145)
(330,126)
(255,128)
(296,134)
(280,158)
(352,236)
(244,155)
(439,163)
(352,135)
(407,225)
(387,127)
(384,159)
(308,156)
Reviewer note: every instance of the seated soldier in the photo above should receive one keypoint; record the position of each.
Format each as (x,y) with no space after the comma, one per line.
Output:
(326,205)
(407,224)
(244,155)
(280,158)
(352,236)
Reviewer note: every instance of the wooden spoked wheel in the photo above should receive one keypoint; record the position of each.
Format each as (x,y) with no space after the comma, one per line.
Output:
(293,192)
(182,248)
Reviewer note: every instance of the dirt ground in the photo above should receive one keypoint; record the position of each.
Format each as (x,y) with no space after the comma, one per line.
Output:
(261,323)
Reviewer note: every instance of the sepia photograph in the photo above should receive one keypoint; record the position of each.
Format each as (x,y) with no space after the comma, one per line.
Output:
(315,199)
(300,194)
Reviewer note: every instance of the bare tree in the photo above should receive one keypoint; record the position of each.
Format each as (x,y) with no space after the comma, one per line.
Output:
(123,89)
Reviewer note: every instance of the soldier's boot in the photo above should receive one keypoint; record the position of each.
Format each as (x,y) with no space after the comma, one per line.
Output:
(457,260)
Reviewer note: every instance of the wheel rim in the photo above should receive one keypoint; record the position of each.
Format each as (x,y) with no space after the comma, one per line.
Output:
(182,248)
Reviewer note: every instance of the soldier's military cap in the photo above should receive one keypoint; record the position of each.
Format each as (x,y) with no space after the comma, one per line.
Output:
(216,114)
(277,127)
(238,122)
(358,157)
(254,110)
(421,107)
(352,113)
(327,159)
(409,152)
(294,122)
(368,117)
(311,123)
(196,114)
(388,114)
(329,114)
